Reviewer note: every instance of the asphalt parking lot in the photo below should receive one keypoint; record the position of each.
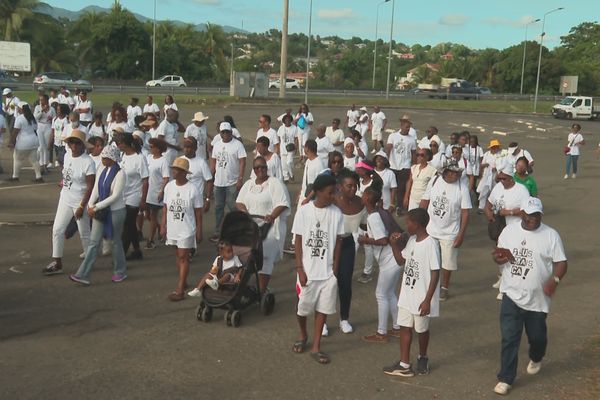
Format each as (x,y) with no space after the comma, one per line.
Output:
(60,340)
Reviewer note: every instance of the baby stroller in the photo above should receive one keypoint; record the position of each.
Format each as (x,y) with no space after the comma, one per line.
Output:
(244,234)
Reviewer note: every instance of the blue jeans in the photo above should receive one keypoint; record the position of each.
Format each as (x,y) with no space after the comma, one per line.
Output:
(118,254)
(224,196)
(512,320)
(344,276)
(571,160)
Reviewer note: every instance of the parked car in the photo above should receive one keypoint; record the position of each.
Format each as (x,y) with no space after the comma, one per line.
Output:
(168,81)
(484,90)
(54,80)
(7,81)
(290,83)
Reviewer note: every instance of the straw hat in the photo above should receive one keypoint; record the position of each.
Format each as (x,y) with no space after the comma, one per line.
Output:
(494,143)
(182,164)
(149,122)
(199,117)
(76,134)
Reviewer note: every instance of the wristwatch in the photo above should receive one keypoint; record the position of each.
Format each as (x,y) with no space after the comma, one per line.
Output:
(556,279)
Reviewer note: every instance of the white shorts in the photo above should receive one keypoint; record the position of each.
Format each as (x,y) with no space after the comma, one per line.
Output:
(472,169)
(449,255)
(319,296)
(376,135)
(187,243)
(409,320)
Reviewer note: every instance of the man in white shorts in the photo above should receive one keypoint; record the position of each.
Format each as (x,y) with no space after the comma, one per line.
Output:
(377,126)
(447,200)
(318,226)
(352,117)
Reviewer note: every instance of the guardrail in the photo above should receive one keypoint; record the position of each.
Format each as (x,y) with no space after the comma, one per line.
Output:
(299,93)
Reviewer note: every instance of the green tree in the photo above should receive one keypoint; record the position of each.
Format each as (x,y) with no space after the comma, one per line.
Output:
(12,15)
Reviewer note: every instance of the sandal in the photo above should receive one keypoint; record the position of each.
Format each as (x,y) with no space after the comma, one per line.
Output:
(299,347)
(52,269)
(321,358)
(176,296)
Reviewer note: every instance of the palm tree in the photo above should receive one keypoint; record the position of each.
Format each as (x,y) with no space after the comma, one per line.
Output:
(12,15)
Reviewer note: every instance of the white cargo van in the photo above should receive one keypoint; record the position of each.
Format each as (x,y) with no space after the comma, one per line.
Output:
(578,107)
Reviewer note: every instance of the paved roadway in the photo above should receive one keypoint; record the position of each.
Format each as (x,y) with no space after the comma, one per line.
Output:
(60,340)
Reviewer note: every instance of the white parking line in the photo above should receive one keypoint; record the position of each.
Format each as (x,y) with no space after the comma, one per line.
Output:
(26,186)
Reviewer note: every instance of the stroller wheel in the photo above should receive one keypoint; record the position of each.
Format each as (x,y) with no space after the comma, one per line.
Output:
(267,303)
(207,313)
(236,318)
(200,310)
(227,318)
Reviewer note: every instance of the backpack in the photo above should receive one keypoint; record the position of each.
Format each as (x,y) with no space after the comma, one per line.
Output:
(301,122)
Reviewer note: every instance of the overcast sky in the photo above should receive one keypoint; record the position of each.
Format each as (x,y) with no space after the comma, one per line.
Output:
(475,23)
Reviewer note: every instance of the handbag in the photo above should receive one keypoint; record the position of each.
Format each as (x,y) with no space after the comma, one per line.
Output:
(495,227)
(290,147)
(567,149)
(301,122)
(102,215)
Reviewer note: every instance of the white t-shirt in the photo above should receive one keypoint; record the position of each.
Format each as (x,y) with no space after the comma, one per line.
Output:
(74,172)
(363,124)
(181,201)
(384,254)
(377,121)
(521,153)
(324,147)
(574,140)
(272,135)
(286,136)
(421,258)
(319,228)
(132,112)
(27,138)
(352,117)
(135,167)
(446,201)
(534,253)
(420,179)
(401,152)
(350,162)
(424,143)
(82,105)
(151,108)
(227,156)
(389,182)
(168,107)
(509,199)
(228,264)
(307,118)
(412,132)
(336,136)
(58,124)
(168,130)
(158,169)
(200,174)
(312,169)
(364,147)
(44,117)
(199,133)
(95,130)
(9,105)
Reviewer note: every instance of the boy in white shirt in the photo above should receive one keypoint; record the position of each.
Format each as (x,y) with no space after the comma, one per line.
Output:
(151,108)
(318,227)
(419,294)
(377,126)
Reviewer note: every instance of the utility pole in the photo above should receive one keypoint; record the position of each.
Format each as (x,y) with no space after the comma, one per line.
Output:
(387,89)
(154,44)
(284,40)
(308,53)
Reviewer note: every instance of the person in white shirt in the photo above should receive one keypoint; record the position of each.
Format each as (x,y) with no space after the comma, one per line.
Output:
(234,131)
(350,157)
(420,175)
(491,159)
(336,135)
(133,110)
(44,115)
(78,176)
(106,207)
(274,168)
(401,149)
(264,123)
(351,117)
(288,111)
(200,174)
(84,109)
(169,131)
(159,175)
(419,293)
(74,123)
(288,138)
(574,141)
(2,134)
(473,154)
(24,141)
(533,262)
(64,97)
(388,192)
(324,145)
(453,142)
(10,107)
(361,148)
(431,135)
(181,221)
(377,127)
(169,105)
(97,128)
(58,126)
(514,152)
(363,126)
(150,107)
(197,129)
(318,228)
(53,97)
(303,121)
(412,132)
(227,164)
(447,201)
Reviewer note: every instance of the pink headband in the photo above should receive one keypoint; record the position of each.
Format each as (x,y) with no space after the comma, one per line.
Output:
(363,165)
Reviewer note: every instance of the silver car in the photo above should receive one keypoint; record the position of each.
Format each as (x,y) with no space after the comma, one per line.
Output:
(54,80)
(167,80)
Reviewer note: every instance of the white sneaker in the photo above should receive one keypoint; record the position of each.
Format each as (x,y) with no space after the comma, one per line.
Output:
(56,164)
(346,327)
(574,176)
(502,388)
(49,165)
(373,151)
(534,367)
(82,255)
(195,293)
(499,297)
(325,331)
(497,284)
(566,176)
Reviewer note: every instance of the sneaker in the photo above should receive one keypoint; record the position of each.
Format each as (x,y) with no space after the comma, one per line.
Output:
(56,164)
(394,332)
(534,367)
(52,269)
(373,151)
(135,255)
(150,245)
(375,338)
(497,284)
(500,296)
(82,255)
(325,331)
(573,176)
(564,177)
(49,165)
(345,327)
(365,278)
(116,278)
(443,294)
(77,279)
(423,365)
(214,238)
(195,293)
(290,250)
(502,388)
(398,370)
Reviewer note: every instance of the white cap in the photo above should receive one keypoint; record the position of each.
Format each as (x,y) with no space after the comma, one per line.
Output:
(506,167)
(381,153)
(6,91)
(532,205)
(225,126)
(348,141)
(512,149)
(363,108)
(21,104)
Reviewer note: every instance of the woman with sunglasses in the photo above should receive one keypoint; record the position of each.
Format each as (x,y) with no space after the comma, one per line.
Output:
(420,175)
(266,197)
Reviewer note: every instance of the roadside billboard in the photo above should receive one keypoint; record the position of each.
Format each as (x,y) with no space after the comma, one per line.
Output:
(15,56)
(568,84)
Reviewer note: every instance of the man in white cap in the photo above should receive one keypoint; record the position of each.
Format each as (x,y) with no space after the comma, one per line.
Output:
(10,107)
(197,130)
(515,152)
(227,164)
(448,202)
(533,263)
(377,126)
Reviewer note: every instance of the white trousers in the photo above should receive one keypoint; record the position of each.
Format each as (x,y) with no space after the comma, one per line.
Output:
(287,163)
(63,216)
(387,297)
(19,157)
(43,132)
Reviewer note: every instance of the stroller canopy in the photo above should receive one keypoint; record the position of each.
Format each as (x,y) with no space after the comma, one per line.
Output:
(240,230)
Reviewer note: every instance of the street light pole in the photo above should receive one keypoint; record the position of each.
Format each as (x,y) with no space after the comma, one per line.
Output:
(284,40)
(387,87)
(308,53)
(537,81)
(154,44)
(376,34)
(525,52)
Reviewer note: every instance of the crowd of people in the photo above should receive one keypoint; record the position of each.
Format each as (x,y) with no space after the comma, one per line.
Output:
(142,163)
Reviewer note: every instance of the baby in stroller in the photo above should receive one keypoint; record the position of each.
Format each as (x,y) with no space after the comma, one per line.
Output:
(226,269)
